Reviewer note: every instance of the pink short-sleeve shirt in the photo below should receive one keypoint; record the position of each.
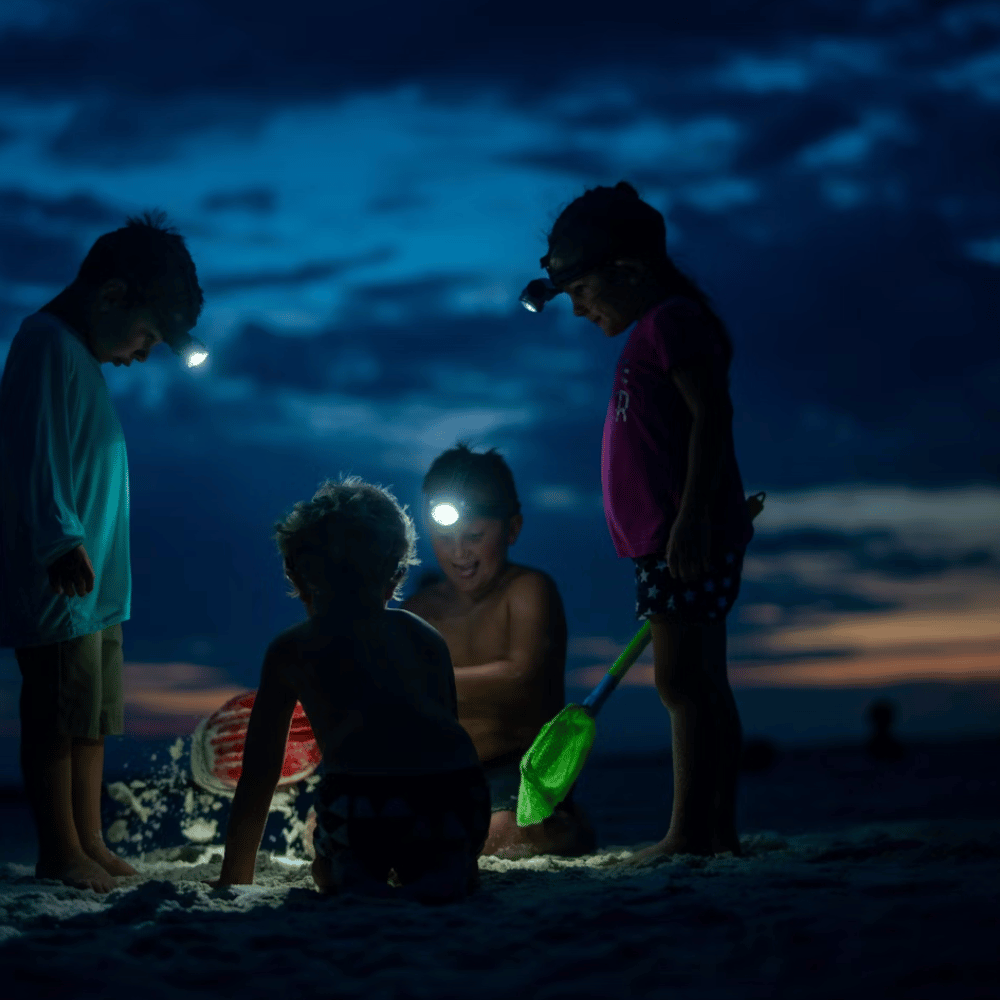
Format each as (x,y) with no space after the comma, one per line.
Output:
(644,451)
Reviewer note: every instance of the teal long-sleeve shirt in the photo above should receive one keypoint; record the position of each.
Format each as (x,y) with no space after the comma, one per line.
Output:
(63,483)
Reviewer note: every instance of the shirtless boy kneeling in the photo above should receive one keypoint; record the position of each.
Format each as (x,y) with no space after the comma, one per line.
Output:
(506,632)
(403,789)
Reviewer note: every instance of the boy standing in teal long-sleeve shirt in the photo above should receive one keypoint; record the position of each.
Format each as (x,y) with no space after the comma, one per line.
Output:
(65,583)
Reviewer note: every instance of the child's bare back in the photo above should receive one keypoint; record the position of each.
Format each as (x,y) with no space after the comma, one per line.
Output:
(379,691)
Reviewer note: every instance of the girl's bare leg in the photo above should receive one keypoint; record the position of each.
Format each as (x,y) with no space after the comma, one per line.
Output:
(88,772)
(730,735)
(686,689)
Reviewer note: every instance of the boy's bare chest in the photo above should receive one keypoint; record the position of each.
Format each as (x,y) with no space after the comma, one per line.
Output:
(475,636)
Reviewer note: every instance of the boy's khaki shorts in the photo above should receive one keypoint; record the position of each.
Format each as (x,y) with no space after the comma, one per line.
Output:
(75,685)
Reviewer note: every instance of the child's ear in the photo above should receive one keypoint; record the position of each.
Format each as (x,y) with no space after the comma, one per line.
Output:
(629,271)
(111,294)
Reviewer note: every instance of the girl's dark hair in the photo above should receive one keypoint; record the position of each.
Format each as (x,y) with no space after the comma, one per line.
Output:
(484,472)
(606,223)
(152,259)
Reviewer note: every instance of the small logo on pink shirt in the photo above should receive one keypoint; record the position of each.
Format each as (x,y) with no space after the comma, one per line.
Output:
(623,397)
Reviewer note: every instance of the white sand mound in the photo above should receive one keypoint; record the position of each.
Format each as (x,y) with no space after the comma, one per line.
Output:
(889,910)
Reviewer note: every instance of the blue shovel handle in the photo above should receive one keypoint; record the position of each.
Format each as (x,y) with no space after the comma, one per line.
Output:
(593,702)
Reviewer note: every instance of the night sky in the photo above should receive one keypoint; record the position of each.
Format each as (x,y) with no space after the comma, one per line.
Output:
(366,189)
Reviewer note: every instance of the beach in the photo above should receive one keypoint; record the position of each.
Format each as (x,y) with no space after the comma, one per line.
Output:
(860,877)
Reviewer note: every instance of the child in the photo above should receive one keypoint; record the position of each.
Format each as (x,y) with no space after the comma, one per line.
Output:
(506,631)
(403,788)
(65,584)
(673,496)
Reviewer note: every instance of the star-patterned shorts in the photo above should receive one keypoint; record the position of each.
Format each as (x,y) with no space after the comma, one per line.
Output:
(406,822)
(687,602)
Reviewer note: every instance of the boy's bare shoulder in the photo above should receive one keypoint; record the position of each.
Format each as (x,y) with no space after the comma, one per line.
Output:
(429,600)
(535,586)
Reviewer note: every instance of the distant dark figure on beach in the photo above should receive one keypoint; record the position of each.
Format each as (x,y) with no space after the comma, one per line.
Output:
(506,632)
(673,495)
(882,745)
(403,792)
(65,579)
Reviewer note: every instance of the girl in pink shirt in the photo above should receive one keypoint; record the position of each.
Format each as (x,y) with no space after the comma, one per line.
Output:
(673,496)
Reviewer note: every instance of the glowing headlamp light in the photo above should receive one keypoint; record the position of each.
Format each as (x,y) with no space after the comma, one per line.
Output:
(537,293)
(446,511)
(196,354)
(189,349)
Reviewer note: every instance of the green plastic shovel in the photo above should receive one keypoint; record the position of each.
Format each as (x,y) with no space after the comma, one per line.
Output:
(556,758)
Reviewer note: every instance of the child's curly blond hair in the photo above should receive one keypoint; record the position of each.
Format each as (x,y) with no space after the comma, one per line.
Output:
(352,536)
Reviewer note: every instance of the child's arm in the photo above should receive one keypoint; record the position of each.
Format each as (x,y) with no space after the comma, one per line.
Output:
(263,755)
(537,641)
(711,410)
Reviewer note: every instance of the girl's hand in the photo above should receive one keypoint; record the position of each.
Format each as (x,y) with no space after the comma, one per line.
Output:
(687,553)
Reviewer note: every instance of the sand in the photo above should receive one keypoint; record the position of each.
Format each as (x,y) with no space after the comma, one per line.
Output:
(902,908)
(894,910)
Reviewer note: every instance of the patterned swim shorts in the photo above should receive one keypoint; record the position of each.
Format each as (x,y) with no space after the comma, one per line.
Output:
(405,821)
(687,602)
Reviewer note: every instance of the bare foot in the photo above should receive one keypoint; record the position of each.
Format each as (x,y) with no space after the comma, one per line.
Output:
(80,872)
(665,850)
(563,833)
(98,851)
(515,852)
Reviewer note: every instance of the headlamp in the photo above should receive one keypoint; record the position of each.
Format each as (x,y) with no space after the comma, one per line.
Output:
(445,513)
(189,349)
(537,293)
(565,264)
(449,510)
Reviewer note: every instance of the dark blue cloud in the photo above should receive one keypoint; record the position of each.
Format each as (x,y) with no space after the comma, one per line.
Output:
(303,274)
(30,257)
(878,551)
(24,206)
(377,359)
(256,200)
(398,202)
(864,346)
(224,46)
(39,244)
(784,124)
(113,130)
